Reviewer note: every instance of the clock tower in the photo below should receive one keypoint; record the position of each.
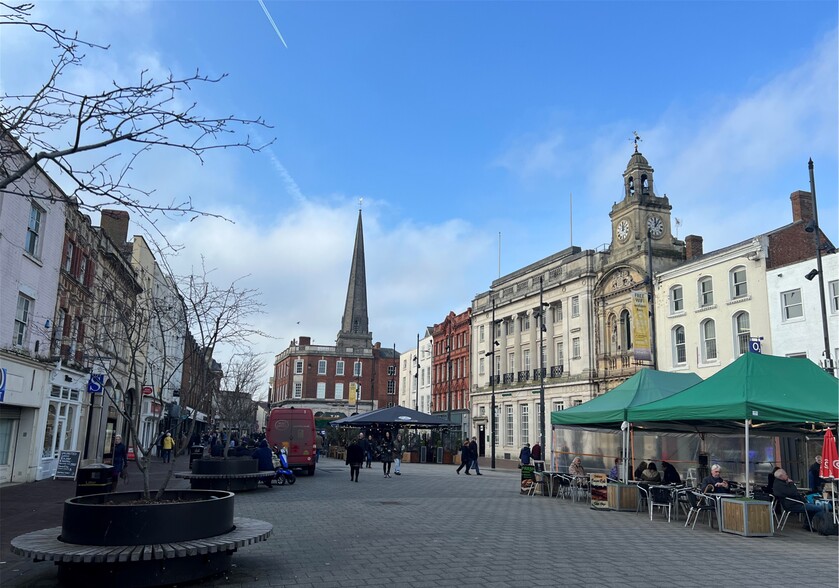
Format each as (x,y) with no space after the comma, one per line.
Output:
(640,211)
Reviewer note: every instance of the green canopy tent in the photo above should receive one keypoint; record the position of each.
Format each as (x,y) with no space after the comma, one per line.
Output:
(761,391)
(610,409)
(645,386)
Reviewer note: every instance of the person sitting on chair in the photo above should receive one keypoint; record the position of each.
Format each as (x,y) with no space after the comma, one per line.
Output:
(651,474)
(816,482)
(714,484)
(671,476)
(785,488)
(576,468)
(637,474)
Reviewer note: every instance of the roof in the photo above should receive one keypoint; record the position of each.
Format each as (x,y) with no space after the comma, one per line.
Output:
(645,386)
(763,388)
(395,415)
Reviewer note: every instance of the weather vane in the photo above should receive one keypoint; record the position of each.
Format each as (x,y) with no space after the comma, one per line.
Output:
(637,138)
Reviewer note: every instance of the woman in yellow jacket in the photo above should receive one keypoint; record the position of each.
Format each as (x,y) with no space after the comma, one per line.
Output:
(168,444)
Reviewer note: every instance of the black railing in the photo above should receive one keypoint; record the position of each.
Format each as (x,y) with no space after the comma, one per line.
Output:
(523,376)
(556,371)
(509,379)
(539,373)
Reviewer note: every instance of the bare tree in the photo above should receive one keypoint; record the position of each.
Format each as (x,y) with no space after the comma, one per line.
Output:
(115,126)
(234,404)
(214,316)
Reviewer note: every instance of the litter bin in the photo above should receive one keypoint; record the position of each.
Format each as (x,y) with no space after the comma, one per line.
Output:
(195,452)
(96,478)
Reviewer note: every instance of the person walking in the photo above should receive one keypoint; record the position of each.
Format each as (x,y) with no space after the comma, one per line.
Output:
(369,450)
(465,457)
(318,447)
(386,450)
(167,444)
(119,461)
(473,451)
(397,455)
(355,456)
(524,455)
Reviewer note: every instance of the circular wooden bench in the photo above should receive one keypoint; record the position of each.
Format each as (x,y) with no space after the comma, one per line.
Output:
(135,566)
(231,482)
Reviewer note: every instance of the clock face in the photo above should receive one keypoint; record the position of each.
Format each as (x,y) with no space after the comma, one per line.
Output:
(623,230)
(656,226)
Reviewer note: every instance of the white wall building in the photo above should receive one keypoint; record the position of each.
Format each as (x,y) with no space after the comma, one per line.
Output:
(795,316)
(415,375)
(32,217)
(708,309)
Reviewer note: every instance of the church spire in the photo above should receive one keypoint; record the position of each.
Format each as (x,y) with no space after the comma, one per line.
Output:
(355,332)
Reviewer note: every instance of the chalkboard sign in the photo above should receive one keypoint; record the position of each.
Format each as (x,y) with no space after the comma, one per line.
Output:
(68,465)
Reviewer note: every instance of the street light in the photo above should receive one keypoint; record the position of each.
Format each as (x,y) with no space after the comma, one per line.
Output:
(491,354)
(448,380)
(813,227)
(542,306)
(416,376)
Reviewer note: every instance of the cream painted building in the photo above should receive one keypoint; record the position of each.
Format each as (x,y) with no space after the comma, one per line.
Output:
(709,309)
(415,375)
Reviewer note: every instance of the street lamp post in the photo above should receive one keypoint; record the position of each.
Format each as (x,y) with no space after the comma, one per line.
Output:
(449,382)
(491,355)
(813,227)
(541,369)
(416,375)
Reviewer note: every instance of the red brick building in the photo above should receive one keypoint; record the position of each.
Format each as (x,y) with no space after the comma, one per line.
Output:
(351,376)
(450,367)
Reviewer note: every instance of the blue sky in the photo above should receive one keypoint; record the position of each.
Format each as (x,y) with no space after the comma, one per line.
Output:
(459,120)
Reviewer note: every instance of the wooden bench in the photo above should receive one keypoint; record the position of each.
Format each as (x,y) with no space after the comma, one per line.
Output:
(230,482)
(133,566)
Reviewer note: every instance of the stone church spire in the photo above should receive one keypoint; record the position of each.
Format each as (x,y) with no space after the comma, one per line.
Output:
(355,332)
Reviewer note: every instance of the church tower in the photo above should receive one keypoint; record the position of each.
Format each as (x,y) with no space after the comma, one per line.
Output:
(355,333)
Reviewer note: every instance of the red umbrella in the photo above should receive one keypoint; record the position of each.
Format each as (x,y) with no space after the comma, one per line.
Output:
(830,457)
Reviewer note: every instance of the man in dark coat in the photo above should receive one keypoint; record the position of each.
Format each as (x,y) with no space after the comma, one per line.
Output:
(264,461)
(473,449)
(355,456)
(465,457)
(119,460)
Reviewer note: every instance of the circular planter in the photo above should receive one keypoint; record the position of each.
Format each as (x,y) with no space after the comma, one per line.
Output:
(121,518)
(220,465)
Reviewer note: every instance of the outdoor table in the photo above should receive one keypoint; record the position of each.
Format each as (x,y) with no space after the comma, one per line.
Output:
(580,485)
(549,478)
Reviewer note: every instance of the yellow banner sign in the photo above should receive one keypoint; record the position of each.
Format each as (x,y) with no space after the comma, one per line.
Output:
(641,326)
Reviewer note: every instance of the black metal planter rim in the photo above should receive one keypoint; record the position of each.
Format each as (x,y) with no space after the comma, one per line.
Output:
(114,519)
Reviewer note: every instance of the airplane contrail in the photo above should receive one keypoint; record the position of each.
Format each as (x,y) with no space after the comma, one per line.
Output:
(273,24)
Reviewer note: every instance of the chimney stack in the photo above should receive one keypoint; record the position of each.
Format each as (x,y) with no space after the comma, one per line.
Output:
(115,225)
(693,246)
(802,206)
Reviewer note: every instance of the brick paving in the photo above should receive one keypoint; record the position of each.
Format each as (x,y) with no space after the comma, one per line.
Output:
(431,527)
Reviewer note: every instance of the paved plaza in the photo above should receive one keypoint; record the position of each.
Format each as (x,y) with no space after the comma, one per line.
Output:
(431,527)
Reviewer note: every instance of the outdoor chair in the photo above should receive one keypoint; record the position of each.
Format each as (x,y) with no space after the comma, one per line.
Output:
(661,497)
(563,485)
(538,484)
(699,503)
(643,498)
(791,505)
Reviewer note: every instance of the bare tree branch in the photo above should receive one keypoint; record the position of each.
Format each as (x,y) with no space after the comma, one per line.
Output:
(138,116)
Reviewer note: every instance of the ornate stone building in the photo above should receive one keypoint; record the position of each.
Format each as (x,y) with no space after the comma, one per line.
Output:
(563,326)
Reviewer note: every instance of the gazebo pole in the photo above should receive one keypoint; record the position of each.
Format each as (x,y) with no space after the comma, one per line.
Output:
(748,425)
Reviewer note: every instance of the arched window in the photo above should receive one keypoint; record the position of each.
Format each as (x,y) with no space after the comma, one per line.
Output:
(706,291)
(737,281)
(708,331)
(679,350)
(626,331)
(677,299)
(742,333)
(645,184)
(630,184)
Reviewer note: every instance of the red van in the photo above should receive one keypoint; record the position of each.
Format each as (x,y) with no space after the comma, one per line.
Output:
(294,429)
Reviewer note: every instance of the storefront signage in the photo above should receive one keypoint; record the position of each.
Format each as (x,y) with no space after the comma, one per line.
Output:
(148,390)
(68,465)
